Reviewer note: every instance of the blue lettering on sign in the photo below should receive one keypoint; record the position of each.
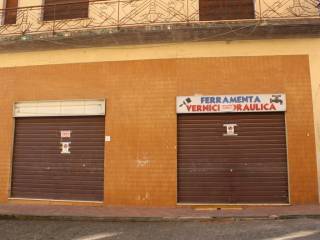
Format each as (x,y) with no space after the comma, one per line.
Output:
(231,99)
(234,99)
(257,99)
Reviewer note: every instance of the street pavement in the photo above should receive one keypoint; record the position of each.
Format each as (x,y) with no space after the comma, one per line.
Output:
(291,229)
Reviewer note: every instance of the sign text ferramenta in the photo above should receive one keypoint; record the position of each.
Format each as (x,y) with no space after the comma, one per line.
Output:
(232,103)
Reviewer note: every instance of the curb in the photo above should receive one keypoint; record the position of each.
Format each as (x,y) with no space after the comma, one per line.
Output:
(153,219)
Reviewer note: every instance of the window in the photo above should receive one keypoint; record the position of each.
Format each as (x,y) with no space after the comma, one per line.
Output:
(10,15)
(65,9)
(226,9)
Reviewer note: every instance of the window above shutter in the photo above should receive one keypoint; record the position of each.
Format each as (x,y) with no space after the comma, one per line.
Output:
(226,9)
(10,15)
(65,9)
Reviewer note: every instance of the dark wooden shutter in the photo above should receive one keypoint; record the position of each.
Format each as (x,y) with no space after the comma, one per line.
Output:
(65,9)
(10,16)
(40,171)
(226,9)
(248,168)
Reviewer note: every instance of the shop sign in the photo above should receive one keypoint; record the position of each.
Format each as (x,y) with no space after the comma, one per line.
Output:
(232,103)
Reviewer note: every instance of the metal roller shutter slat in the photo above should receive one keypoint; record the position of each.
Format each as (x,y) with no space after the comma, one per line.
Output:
(248,168)
(40,171)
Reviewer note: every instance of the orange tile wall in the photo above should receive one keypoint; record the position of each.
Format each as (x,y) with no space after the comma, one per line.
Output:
(140,161)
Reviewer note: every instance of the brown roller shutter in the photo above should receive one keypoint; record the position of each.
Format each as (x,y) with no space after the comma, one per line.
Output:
(10,16)
(40,171)
(226,9)
(65,9)
(248,168)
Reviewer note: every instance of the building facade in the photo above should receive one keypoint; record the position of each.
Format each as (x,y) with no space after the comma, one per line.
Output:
(155,103)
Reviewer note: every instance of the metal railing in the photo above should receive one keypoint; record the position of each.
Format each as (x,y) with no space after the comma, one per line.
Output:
(108,14)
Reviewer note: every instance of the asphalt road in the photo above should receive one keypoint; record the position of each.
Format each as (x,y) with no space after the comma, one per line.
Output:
(306,229)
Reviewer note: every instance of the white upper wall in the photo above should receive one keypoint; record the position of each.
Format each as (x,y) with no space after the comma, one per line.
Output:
(2,6)
(30,3)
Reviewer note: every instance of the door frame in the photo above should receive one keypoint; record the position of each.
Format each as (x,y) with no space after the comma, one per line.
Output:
(55,201)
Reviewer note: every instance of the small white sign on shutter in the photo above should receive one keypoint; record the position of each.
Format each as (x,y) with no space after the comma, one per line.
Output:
(65,147)
(230,129)
(65,134)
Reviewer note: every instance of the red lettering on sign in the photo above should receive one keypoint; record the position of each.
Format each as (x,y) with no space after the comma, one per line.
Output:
(252,107)
(216,108)
(206,108)
(273,107)
(256,107)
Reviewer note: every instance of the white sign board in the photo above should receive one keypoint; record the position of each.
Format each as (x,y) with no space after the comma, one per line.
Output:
(65,147)
(232,103)
(230,129)
(65,134)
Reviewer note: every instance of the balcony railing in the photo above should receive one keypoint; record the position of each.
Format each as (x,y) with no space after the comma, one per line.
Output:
(108,14)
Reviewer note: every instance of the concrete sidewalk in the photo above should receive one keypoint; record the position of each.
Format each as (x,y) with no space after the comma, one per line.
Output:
(17,211)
